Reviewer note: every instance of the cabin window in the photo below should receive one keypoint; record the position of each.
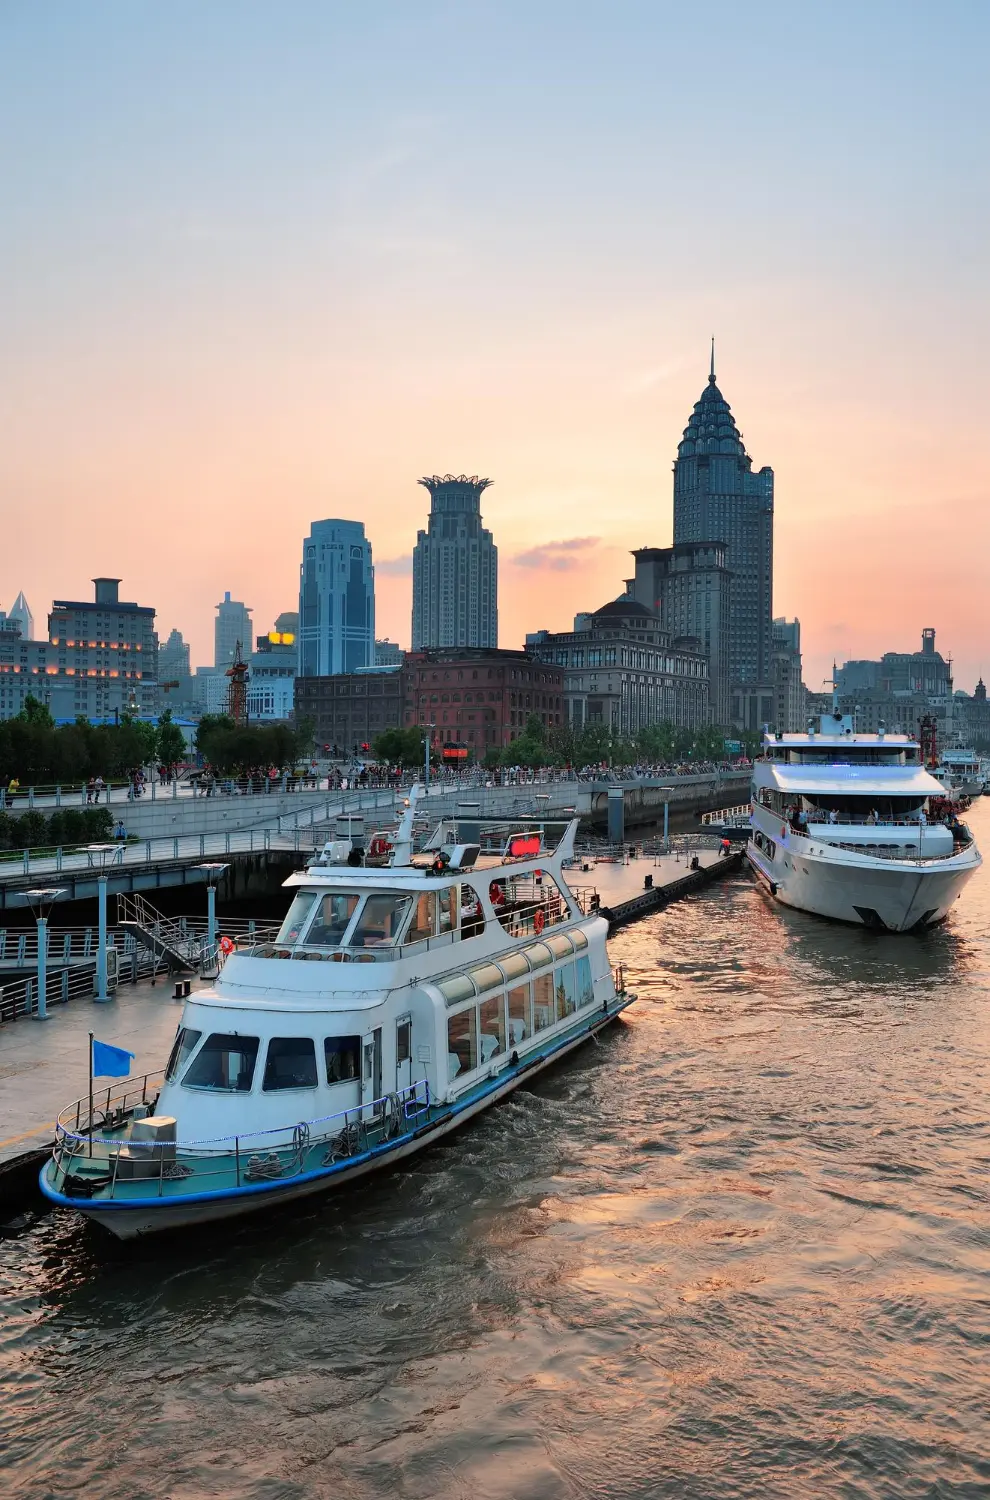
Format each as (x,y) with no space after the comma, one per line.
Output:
(565,990)
(579,939)
(520,1015)
(486,976)
(182,1049)
(447,909)
(290,1064)
(423,924)
(543,1006)
(560,946)
(343,1058)
(472,914)
(224,1062)
(455,988)
(403,1042)
(380,921)
(492,1018)
(462,1042)
(334,913)
(514,965)
(539,955)
(296,917)
(584,983)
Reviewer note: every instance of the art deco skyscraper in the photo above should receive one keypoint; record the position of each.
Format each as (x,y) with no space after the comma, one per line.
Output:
(455,568)
(718,498)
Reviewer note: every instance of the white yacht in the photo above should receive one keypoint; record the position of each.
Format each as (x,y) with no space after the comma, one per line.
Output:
(840,828)
(960,773)
(396,1002)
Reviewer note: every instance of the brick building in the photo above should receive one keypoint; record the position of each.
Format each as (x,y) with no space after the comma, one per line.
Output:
(350,708)
(479,697)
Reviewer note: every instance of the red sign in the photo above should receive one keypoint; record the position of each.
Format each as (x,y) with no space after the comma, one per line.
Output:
(524,845)
(455,752)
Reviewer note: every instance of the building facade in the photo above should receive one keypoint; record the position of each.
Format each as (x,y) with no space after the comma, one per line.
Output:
(231,627)
(718,498)
(790,709)
(455,569)
(272,674)
(388,654)
(20,613)
(900,688)
(100,660)
(623,670)
(336,600)
(479,698)
(349,709)
(174,659)
(689,587)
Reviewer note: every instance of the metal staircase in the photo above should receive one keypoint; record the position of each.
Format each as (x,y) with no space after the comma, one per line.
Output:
(173,942)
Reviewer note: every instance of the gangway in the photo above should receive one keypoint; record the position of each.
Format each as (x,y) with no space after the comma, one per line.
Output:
(171,941)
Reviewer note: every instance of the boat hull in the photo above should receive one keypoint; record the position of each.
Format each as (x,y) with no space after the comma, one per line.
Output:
(891,895)
(135,1218)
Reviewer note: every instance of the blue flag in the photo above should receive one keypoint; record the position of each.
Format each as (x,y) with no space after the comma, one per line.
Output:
(110,1062)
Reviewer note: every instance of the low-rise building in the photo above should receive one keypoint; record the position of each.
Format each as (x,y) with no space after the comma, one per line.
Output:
(479,697)
(622,669)
(349,709)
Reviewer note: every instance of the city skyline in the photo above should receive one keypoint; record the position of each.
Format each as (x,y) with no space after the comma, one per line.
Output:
(227,333)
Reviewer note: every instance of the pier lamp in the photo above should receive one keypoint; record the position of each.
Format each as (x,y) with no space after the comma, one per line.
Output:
(41,903)
(100,857)
(211,874)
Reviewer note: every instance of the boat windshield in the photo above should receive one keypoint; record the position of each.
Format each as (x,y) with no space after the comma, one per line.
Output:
(296,917)
(381,920)
(332,918)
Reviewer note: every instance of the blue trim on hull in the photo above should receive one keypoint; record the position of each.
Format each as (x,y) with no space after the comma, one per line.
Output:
(90,1206)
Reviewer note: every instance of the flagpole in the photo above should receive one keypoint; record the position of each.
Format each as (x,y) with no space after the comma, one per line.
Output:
(91,1093)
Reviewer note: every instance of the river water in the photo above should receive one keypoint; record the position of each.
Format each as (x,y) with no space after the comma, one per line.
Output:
(738,1248)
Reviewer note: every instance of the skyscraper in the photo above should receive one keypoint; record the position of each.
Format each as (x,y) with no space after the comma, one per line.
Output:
(232,624)
(455,569)
(718,498)
(173,658)
(21,612)
(336,600)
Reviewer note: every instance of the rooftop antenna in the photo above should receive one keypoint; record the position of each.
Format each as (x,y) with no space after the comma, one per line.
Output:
(403,846)
(711,377)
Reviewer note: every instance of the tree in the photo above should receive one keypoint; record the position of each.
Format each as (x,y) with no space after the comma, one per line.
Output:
(403,747)
(171,746)
(36,712)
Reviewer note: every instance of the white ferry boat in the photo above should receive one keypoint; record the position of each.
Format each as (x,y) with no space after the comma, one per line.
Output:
(960,773)
(396,1002)
(840,828)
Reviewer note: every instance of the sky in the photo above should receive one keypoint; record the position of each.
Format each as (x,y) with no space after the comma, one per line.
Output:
(263,264)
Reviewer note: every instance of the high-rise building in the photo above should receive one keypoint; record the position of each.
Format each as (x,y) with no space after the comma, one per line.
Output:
(790,710)
(455,569)
(287,623)
(336,600)
(718,498)
(388,653)
(689,588)
(232,625)
(173,659)
(100,660)
(20,611)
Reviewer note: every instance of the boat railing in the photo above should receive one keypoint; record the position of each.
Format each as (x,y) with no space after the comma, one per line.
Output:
(519,918)
(281,1152)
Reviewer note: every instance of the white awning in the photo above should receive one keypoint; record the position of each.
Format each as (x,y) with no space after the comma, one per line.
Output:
(855,781)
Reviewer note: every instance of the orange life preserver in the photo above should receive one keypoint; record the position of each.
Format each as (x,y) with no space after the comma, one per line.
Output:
(226,945)
(538,920)
(379,846)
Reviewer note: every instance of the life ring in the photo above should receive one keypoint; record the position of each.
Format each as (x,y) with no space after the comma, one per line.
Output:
(379,846)
(226,945)
(538,920)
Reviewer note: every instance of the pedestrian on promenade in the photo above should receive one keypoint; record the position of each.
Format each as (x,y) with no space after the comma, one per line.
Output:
(90,789)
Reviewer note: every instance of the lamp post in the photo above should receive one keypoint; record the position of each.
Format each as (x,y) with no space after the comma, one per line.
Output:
(427,745)
(102,855)
(212,872)
(41,903)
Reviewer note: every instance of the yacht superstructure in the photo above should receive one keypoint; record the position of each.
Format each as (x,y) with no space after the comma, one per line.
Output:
(960,773)
(840,828)
(397,1001)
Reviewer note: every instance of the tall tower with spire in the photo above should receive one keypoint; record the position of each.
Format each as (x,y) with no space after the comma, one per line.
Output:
(718,498)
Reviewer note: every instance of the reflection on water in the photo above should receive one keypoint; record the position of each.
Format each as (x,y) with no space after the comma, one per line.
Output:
(738,1248)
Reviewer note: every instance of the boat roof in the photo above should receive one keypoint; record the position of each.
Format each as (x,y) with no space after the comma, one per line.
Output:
(829,741)
(860,780)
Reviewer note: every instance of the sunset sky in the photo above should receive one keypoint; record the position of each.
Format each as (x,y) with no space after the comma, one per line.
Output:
(262,264)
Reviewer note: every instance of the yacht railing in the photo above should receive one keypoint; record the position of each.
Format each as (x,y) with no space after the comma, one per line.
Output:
(281,1152)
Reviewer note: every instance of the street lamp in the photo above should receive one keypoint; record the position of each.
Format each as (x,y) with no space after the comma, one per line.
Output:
(212,873)
(100,856)
(41,903)
(427,746)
